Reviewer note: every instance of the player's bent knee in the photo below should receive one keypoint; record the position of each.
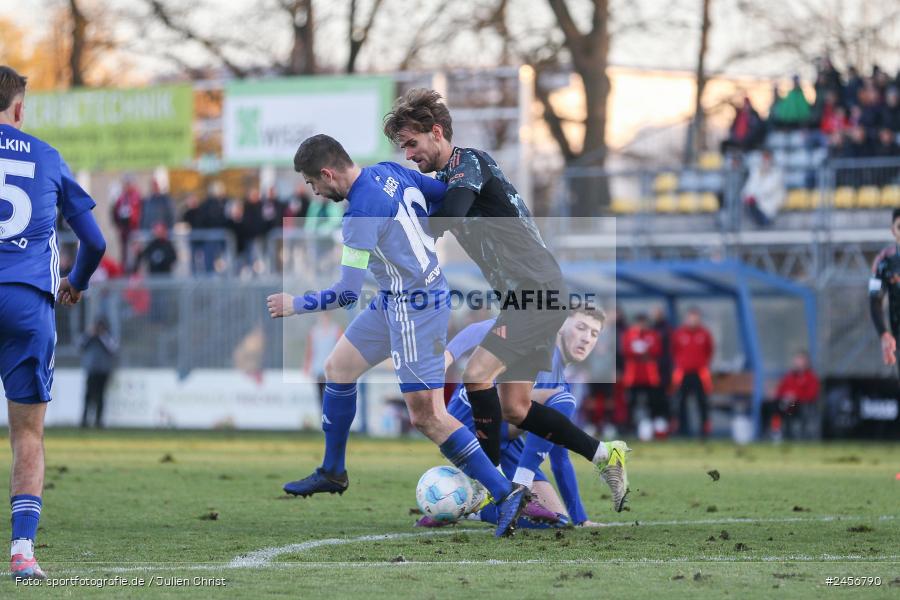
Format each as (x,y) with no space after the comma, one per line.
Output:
(336,370)
(476,374)
(515,414)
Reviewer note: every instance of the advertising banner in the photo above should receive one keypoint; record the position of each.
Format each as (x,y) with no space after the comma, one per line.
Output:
(265,121)
(104,129)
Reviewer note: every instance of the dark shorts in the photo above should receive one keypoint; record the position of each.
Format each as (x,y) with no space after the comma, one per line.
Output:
(27,342)
(524,335)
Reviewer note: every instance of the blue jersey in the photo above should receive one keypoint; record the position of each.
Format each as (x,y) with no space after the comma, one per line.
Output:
(34,181)
(387,217)
(555,377)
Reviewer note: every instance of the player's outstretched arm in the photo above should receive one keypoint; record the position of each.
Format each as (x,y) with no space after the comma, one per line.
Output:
(343,293)
(90,250)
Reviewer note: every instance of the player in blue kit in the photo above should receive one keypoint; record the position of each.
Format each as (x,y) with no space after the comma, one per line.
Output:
(521,458)
(34,182)
(407,322)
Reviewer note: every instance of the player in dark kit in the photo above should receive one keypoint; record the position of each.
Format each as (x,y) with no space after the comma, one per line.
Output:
(886,280)
(491,222)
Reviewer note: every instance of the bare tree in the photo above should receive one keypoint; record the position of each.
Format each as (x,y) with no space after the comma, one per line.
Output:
(302,57)
(696,132)
(358,35)
(76,53)
(178,25)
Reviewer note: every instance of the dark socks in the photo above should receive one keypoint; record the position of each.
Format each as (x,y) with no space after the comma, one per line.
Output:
(487,416)
(557,428)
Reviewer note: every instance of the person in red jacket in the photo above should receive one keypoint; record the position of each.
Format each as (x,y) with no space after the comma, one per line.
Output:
(126,216)
(692,352)
(795,401)
(641,348)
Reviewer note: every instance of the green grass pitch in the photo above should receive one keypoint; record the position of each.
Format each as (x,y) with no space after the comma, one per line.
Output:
(168,507)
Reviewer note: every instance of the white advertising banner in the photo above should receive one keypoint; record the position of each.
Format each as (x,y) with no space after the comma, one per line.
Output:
(264,121)
(216,399)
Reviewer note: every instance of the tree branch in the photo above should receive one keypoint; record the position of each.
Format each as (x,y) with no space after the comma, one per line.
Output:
(163,16)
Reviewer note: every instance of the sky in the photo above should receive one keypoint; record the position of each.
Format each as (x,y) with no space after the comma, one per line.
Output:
(671,42)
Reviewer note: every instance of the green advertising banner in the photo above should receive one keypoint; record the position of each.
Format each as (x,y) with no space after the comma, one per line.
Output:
(104,129)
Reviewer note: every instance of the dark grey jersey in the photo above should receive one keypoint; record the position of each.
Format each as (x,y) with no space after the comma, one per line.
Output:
(498,232)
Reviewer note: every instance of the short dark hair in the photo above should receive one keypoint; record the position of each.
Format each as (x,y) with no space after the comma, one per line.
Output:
(592,311)
(895,215)
(11,85)
(320,152)
(418,110)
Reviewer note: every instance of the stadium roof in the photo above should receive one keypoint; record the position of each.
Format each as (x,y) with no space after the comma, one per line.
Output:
(673,280)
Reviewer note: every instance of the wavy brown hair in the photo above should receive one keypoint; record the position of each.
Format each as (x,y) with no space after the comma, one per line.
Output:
(418,110)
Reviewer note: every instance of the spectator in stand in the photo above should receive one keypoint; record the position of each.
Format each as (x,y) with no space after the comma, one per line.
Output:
(194,218)
(212,224)
(890,112)
(272,210)
(858,145)
(880,80)
(692,351)
(323,218)
(159,255)
(126,216)
(792,111)
(664,362)
(157,208)
(764,193)
(834,121)
(854,84)
(794,407)
(98,359)
(827,77)
(885,147)
(298,204)
(746,130)
(870,108)
(158,259)
(641,349)
(249,226)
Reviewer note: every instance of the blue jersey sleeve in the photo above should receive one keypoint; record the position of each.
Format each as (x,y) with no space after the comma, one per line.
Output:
(361,230)
(90,250)
(345,292)
(73,200)
(556,377)
(466,340)
(431,188)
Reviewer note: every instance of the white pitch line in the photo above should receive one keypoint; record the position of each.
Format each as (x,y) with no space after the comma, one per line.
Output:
(682,560)
(263,558)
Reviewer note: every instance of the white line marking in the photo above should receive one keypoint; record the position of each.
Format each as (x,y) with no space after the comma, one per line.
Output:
(264,557)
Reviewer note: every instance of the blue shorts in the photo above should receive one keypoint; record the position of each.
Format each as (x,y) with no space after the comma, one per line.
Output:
(510,450)
(27,341)
(414,340)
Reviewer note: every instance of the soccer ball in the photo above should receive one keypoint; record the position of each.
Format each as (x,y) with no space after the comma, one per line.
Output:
(444,493)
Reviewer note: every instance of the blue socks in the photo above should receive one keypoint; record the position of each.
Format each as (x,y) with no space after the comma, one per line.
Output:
(26,512)
(463,450)
(338,411)
(488,514)
(564,473)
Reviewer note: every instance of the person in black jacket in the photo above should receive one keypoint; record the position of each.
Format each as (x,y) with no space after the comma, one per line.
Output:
(98,358)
